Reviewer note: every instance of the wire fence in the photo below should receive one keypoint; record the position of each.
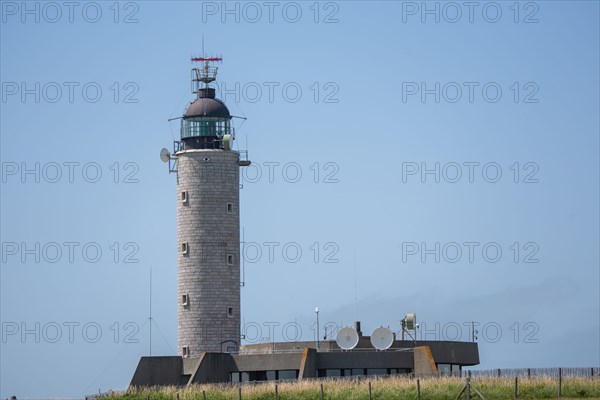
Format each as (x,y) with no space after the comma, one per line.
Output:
(553,373)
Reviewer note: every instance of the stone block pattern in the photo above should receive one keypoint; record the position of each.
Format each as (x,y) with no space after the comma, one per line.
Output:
(209,274)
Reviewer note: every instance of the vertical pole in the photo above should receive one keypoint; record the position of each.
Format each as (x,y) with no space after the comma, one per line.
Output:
(317,311)
(403,326)
(468,388)
(528,373)
(150,318)
(322,394)
(204,395)
(418,390)
(559,382)
(369,390)
(240,392)
(498,372)
(516,387)
(276,393)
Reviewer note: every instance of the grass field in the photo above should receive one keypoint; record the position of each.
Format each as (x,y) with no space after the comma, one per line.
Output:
(393,388)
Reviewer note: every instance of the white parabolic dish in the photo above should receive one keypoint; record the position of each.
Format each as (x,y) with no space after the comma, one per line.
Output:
(347,338)
(382,338)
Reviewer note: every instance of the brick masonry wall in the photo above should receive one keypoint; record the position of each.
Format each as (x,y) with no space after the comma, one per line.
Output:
(209,274)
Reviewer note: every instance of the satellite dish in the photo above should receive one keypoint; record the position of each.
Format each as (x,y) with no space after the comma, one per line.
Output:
(227,142)
(410,321)
(165,155)
(347,338)
(382,338)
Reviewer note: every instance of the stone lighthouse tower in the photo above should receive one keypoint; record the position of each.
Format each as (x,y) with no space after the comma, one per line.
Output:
(208,222)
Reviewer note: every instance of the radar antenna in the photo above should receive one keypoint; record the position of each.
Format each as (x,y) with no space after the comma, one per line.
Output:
(205,74)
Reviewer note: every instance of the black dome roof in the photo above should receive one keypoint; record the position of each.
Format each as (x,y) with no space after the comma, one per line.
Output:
(207,106)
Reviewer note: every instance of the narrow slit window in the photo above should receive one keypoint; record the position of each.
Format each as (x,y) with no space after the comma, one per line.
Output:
(229,259)
(184,196)
(185,351)
(184,248)
(185,300)
(229,208)
(230,312)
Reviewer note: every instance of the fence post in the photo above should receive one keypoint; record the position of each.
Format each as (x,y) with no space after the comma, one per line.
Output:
(468,387)
(322,395)
(559,382)
(418,390)
(204,394)
(498,372)
(516,387)
(240,392)
(276,393)
(528,373)
(369,390)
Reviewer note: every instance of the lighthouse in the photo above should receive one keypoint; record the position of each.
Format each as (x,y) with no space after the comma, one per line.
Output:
(208,280)
(208,222)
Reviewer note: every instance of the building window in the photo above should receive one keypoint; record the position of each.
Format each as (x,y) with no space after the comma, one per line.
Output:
(185,300)
(184,196)
(185,351)
(287,375)
(444,369)
(271,375)
(229,311)
(184,248)
(234,377)
(229,208)
(377,371)
(229,259)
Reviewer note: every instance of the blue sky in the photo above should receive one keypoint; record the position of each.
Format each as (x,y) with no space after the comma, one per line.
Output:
(366,98)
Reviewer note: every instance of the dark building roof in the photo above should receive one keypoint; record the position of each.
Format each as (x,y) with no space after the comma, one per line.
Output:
(206,105)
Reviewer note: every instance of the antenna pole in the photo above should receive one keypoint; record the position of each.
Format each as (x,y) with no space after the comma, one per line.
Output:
(355,303)
(243,256)
(150,318)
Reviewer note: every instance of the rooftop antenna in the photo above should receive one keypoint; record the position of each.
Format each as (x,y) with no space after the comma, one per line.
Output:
(382,338)
(150,318)
(347,338)
(355,302)
(205,74)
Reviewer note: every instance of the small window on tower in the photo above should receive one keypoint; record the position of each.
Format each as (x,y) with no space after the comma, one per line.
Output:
(229,259)
(184,196)
(185,351)
(185,300)
(184,248)
(229,208)
(230,312)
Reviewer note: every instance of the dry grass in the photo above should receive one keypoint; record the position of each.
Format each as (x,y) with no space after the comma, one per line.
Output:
(385,388)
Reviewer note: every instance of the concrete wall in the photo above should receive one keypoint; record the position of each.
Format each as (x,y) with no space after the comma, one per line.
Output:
(217,367)
(444,352)
(424,363)
(211,180)
(158,371)
(364,359)
(212,368)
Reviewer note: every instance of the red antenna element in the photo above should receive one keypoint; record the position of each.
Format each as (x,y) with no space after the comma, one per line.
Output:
(201,59)
(204,75)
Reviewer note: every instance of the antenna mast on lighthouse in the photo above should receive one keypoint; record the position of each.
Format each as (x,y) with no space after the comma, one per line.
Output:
(205,74)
